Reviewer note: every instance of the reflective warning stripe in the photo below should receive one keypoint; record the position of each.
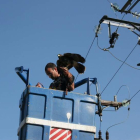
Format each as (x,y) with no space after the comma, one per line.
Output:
(70,126)
(60,134)
(56,132)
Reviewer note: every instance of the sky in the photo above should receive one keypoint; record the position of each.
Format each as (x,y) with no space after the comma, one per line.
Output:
(33,33)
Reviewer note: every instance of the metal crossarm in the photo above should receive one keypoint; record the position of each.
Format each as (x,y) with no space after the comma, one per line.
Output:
(133,5)
(121,23)
(125,6)
(106,18)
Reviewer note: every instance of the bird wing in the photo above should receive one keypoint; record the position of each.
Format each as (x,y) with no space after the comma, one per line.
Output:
(64,63)
(75,57)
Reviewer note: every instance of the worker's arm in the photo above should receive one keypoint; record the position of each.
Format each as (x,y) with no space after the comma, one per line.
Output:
(69,77)
(71,87)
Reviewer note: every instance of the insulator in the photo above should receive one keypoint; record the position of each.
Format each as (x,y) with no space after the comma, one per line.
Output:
(132,29)
(125,103)
(100,134)
(135,13)
(138,40)
(138,15)
(97,29)
(115,100)
(113,39)
(107,135)
(114,7)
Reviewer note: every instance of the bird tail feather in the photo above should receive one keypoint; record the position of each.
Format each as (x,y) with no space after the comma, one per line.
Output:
(79,67)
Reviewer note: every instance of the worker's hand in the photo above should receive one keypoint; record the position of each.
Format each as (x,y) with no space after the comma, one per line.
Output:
(67,74)
(39,85)
(64,70)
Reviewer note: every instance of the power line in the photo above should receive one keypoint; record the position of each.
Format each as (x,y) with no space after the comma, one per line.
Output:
(122,61)
(134,95)
(90,47)
(118,69)
(120,122)
(108,1)
(87,54)
(114,12)
(120,23)
(114,55)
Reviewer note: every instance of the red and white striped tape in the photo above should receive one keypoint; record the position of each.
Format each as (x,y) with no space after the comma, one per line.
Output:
(59,134)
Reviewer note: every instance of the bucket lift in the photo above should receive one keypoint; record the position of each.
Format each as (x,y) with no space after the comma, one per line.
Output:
(47,114)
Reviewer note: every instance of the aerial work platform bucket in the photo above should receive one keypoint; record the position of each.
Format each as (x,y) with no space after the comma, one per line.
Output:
(51,115)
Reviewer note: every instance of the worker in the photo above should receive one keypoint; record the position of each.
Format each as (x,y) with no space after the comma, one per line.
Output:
(63,79)
(39,85)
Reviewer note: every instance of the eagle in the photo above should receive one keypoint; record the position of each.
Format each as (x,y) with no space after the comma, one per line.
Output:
(70,60)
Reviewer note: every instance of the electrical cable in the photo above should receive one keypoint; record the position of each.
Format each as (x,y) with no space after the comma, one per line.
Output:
(122,61)
(90,47)
(86,55)
(125,102)
(122,18)
(120,122)
(117,17)
(119,68)
(115,56)
(118,92)
(128,108)
(124,14)
(131,4)
(109,1)
(100,125)
(114,12)
(100,47)
(127,89)
(134,95)
(120,23)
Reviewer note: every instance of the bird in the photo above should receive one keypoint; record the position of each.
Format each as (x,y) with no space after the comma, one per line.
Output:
(70,60)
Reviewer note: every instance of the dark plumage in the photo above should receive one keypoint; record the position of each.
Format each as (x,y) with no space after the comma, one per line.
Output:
(70,60)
